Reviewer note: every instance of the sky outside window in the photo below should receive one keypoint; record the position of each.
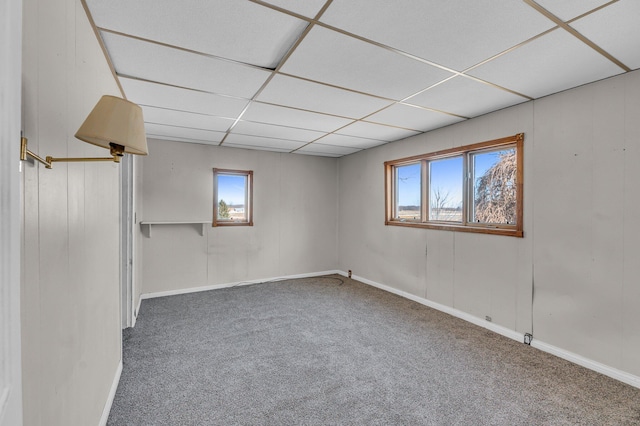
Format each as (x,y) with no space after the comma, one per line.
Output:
(408,192)
(232,189)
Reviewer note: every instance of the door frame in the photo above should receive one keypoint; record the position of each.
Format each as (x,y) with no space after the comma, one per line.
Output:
(126,241)
(10,211)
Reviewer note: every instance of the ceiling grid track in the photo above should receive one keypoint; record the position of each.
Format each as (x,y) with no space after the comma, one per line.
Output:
(576,34)
(274,72)
(103,47)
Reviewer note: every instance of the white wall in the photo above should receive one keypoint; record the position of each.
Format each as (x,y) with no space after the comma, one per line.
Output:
(70,275)
(582,168)
(294,228)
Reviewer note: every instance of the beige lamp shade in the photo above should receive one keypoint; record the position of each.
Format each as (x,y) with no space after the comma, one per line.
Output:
(115,120)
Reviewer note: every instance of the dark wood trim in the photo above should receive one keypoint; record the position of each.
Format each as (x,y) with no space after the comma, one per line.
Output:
(512,232)
(458,151)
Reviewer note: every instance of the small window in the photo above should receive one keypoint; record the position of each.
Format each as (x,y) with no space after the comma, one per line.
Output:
(232,197)
(474,188)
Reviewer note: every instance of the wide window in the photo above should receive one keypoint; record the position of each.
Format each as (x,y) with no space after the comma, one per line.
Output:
(232,197)
(474,188)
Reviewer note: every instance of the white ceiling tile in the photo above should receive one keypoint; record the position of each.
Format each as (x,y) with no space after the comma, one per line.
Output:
(183,132)
(163,64)
(569,9)
(309,8)
(376,131)
(413,118)
(350,141)
(321,149)
(279,132)
(455,34)
(616,29)
(550,64)
(145,93)
(466,97)
(238,30)
(303,94)
(258,141)
(334,58)
(283,116)
(185,119)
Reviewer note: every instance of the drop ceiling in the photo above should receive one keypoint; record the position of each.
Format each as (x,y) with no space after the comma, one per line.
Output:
(331,78)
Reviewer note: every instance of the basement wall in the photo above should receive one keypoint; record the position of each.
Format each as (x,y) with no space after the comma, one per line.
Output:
(574,279)
(71,336)
(294,229)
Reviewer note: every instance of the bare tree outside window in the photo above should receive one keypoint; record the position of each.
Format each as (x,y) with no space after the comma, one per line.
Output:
(495,191)
(445,189)
(442,207)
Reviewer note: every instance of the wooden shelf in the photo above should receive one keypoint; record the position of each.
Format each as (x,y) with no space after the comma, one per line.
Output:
(147,225)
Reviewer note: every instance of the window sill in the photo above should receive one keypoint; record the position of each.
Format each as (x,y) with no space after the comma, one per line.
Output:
(219,223)
(510,232)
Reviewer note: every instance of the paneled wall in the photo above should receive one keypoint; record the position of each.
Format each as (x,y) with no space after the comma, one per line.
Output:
(574,279)
(70,281)
(586,230)
(294,228)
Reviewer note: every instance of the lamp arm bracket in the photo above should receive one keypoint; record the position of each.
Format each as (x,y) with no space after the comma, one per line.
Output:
(24,152)
(50,159)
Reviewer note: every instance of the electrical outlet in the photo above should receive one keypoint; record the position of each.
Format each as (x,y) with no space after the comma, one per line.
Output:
(349,273)
(488,318)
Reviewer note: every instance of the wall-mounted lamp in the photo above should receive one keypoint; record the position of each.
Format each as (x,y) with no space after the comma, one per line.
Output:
(114,123)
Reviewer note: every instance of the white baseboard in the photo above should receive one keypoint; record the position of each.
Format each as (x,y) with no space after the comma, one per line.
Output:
(112,395)
(234,284)
(504,331)
(136,312)
(614,373)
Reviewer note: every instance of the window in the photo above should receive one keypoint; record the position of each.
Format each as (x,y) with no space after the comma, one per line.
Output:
(445,189)
(474,188)
(407,203)
(232,197)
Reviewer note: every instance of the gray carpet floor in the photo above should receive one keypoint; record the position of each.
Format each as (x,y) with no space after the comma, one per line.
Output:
(331,350)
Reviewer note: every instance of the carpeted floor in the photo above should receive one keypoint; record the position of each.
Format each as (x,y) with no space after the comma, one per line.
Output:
(331,350)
